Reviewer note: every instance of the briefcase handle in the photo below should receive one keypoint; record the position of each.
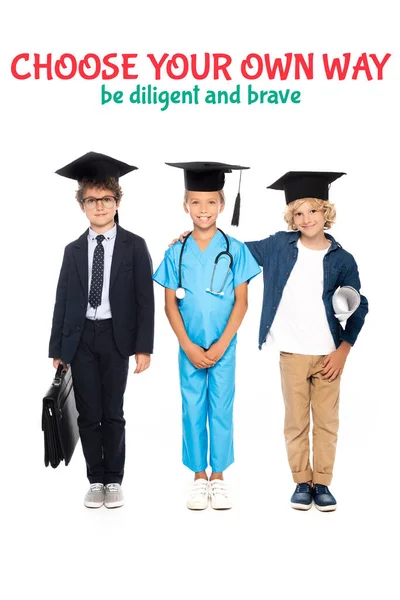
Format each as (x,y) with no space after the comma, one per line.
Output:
(59,375)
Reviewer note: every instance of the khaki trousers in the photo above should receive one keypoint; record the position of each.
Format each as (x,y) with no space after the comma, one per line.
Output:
(303,387)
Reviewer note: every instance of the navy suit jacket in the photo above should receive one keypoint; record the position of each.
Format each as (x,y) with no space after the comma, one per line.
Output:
(131,297)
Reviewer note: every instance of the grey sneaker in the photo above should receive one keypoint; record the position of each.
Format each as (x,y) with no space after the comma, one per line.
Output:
(114,495)
(95,496)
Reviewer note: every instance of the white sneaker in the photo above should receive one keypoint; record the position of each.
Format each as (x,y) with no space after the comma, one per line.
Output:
(219,495)
(95,496)
(114,495)
(198,495)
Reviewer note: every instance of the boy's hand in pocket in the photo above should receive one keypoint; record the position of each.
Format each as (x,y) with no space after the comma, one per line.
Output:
(335,361)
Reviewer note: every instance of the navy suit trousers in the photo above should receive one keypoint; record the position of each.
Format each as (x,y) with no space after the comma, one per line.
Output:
(99,373)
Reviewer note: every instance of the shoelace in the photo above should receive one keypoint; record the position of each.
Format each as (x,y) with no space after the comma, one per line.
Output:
(321,489)
(303,488)
(218,487)
(96,487)
(199,488)
(112,487)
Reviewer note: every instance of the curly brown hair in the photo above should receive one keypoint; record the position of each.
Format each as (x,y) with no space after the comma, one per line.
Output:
(105,184)
(323,205)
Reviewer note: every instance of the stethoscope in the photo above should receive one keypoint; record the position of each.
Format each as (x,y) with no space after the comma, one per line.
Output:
(181,293)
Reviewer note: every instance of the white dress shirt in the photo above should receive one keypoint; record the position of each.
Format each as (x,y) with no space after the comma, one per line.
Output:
(104,310)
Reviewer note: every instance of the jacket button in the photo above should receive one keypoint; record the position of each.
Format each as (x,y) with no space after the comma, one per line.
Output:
(274,307)
(78,328)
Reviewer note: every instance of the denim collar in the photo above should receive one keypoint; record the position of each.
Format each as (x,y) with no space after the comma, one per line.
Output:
(293,237)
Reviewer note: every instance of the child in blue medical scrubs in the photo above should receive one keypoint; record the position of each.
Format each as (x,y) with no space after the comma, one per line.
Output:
(205,280)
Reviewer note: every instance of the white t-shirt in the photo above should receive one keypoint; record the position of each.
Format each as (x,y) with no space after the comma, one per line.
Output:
(301,325)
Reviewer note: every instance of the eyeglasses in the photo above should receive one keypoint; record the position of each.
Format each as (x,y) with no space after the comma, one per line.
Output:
(107,202)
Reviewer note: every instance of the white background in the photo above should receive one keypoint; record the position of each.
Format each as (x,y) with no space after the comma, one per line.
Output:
(154,547)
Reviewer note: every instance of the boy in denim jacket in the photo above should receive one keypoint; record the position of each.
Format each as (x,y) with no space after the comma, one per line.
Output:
(302,270)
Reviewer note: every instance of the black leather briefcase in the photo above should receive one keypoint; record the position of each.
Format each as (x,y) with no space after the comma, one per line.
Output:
(60,420)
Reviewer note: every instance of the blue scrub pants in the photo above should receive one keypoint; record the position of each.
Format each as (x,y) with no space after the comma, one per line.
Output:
(208,394)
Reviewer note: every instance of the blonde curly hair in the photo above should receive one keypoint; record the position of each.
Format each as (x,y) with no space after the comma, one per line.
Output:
(320,205)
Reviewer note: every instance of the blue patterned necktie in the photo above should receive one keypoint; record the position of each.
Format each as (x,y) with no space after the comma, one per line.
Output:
(96,285)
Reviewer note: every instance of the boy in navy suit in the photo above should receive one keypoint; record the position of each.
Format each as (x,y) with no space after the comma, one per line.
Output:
(103,313)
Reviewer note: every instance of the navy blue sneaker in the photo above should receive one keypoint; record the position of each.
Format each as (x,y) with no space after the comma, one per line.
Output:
(302,497)
(323,499)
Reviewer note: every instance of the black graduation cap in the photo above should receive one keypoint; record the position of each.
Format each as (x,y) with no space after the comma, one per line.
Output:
(209,177)
(305,184)
(97,167)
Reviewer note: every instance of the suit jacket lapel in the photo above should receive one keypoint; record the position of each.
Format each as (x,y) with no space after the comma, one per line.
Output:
(119,249)
(81,259)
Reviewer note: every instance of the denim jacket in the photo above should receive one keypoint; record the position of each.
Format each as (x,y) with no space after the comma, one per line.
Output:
(277,254)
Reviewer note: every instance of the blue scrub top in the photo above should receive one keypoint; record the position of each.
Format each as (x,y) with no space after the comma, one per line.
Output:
(204,314)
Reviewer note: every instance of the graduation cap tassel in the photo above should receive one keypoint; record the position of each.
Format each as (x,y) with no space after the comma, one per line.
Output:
(236,210)
(116,219)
